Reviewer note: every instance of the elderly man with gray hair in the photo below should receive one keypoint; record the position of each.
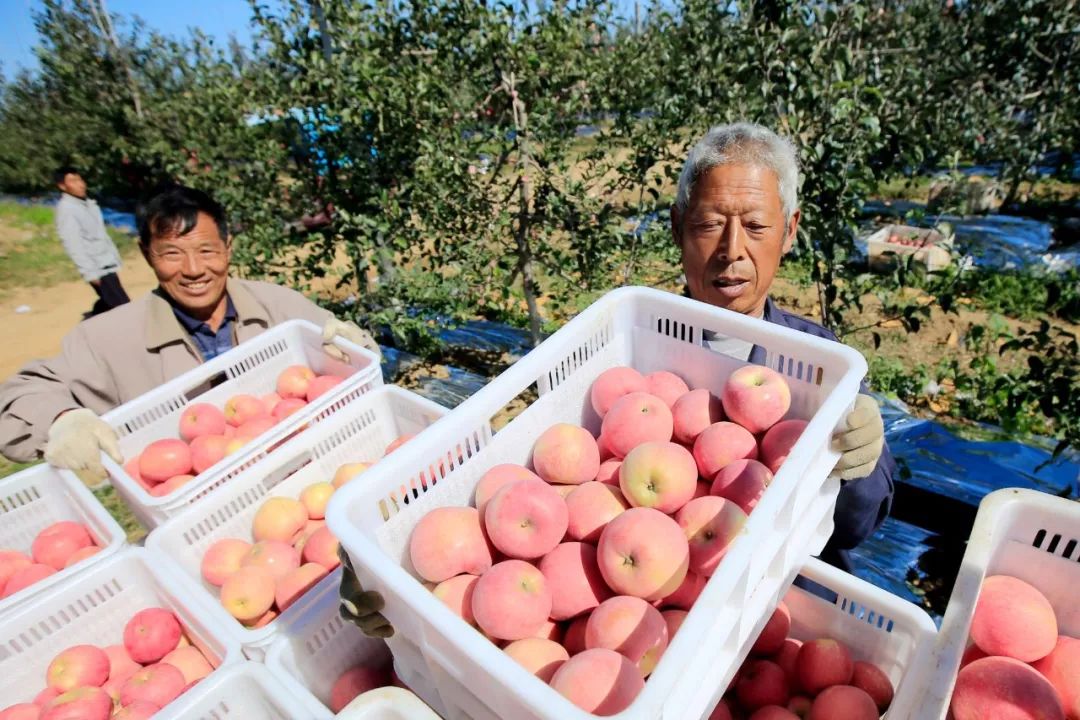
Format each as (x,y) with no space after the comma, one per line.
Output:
(736,215)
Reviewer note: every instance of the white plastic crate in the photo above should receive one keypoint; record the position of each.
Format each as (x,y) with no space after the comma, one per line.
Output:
(252,368)
(316,646)
(876,626)
(93,607)
(242,691)
(1024,533)
(359,432)
(649,330)
(39,496)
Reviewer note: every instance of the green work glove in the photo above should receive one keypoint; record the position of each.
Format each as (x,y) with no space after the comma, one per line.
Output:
(860,444)
(361,607)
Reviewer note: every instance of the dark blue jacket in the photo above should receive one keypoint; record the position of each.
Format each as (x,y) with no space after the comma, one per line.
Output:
(863,504)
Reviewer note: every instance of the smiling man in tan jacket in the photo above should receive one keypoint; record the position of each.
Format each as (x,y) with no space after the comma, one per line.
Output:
(197,312)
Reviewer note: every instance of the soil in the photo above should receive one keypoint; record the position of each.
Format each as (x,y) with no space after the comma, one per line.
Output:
(53,312)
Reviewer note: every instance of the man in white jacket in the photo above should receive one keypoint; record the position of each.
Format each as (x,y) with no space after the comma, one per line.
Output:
(82,231)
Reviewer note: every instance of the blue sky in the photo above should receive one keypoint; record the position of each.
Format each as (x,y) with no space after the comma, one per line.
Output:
(215,17)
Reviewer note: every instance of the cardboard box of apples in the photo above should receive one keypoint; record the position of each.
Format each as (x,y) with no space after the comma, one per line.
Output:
(119,640)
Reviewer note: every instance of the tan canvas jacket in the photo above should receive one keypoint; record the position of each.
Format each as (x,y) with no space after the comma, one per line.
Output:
(115,357)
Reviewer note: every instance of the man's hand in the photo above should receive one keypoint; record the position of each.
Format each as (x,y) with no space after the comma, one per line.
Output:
(77,438)
(361,607)
(862,441)
(347,330)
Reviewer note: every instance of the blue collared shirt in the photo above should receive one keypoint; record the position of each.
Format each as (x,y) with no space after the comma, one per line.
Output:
(210,343)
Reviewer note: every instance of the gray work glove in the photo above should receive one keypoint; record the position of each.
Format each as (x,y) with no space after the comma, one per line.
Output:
(349,331)
(361,607)
(861,443)
(76,440)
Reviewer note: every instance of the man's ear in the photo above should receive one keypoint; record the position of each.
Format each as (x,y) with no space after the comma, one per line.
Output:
(792,231)
(676,225)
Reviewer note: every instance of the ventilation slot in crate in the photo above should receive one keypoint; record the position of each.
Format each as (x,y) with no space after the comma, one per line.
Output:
(19,499)
(1057,544)
(867,614)
(675,329)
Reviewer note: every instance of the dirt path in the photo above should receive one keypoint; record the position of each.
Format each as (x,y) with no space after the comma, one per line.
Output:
(53,312)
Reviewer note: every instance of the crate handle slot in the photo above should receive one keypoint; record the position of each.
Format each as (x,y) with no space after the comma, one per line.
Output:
(206,385)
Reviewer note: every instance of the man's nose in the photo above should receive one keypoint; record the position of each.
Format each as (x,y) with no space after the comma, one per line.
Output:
(192,265)
(732,245)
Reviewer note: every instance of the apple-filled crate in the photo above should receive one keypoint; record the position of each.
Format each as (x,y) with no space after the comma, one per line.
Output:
(835,647)
(51,527)
(335,663)
(252,548)
(178,447)
(241,691)
(1010,640)
(414,519)
(122,634)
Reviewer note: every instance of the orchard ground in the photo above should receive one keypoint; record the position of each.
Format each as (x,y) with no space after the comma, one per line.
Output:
(36,273)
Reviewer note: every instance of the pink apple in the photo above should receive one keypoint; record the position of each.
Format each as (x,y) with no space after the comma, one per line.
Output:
(58,542)
(674,619)
(151,634)
(287,407)
(659,475)
(721,444)
(457,594)
(21,711)
(121,666)
(778,441)
(279,518)
(322,548)
(756,397)
(692,413)
(294,381)
(538,656)
(255,427)
(201,419)
(599,681)
(665,385)
(347,472)
(743,482)
(241,408)
(191,663)
(526,519)
(222,559)
(292,586)
(78,666)
(635,419)
(171,485)
(590,507)
(398,442)
(315,498)
(609,471)
(353,682)
(11,561)
(163,459)
(492,480)
(26,577)
(207,451)
(611,385)
(138,710)
(574,578)
(711,524)
(643,553)
(574,639)
(631,627)
(84,703)
(159,684)
(321,385)
(448,541)
(685,595)
(566,454)
(511,601)
(270,401)
(248,594)
(275,557)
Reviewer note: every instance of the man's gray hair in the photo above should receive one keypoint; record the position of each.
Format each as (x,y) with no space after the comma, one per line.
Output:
(744,144)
